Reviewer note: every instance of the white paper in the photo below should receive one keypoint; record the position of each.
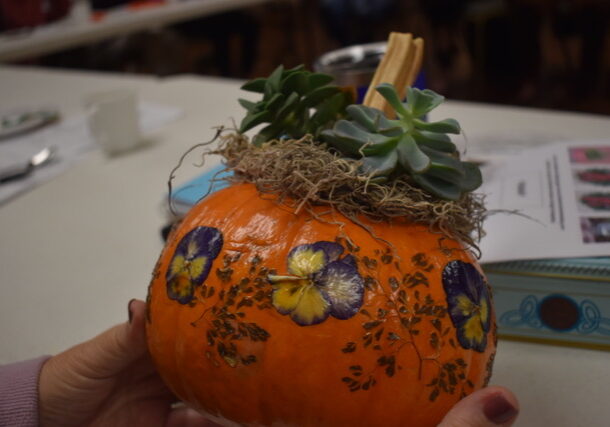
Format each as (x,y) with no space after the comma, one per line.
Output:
(548,203)
(72,139)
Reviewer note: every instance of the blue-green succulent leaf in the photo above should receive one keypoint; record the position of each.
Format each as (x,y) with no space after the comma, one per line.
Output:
(352,130)
(445,161)
(366,116)
(275,101)
(422,101)
(439,187)
(410,156)
(266,134)
(329,111)
(390,127)
(295,82)
(378,148)
(291,101)
(257,85)
(287,107)
(272,85)
(353,141)
(248,105)
(316,80)
(347,146)
(374,120)
(438,141)
(253,120)
(389,93)
(383,164)
(473,178)
(444,126)
(318,95)
(298,68)
(444,174)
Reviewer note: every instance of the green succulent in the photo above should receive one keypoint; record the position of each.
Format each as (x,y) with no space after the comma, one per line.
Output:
(407,144)
(296,102)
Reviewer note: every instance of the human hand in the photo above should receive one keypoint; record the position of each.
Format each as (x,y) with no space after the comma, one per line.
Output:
(110,381)
(488,407)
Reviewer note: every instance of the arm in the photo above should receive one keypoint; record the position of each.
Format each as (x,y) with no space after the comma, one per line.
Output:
(19,392)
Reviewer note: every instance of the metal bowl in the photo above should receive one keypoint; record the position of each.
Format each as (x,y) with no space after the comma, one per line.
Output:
(352,65)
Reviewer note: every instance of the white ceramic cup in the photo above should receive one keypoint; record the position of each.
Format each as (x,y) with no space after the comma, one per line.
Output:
(113,120)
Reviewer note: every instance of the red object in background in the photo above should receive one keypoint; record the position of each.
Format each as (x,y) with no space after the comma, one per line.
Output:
(599,154)
(597,201)
(31,13)
(144,4)
(595,176)
(100,15)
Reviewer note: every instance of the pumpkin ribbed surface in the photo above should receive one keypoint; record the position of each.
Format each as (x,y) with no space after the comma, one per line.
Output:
(260,316)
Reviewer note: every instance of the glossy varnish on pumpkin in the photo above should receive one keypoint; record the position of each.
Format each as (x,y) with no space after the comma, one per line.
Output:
(264,317)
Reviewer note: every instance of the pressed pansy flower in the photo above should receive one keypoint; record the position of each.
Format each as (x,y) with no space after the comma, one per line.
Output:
(469,304)
(191,262)
(319,284)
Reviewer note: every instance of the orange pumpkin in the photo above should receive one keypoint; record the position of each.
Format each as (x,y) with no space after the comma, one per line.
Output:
(260,316)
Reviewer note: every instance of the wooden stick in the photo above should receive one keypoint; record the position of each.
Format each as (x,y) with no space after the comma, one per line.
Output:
(399,67)
(390,69)
(417,61)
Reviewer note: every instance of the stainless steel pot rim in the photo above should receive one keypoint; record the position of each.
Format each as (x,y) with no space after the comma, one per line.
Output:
(351,59)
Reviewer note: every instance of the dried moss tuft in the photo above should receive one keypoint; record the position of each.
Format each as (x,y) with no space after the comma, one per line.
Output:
(304,173)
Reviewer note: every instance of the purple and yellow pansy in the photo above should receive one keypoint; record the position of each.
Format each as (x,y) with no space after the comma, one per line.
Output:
(191,262)
(320,284)
(468,303)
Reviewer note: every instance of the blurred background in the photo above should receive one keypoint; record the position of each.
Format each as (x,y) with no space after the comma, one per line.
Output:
(540,53)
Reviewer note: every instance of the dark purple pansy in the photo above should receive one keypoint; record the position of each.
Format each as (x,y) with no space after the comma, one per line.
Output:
(340,282)
(319,284)
(468,304)
(350,260)
(192,262)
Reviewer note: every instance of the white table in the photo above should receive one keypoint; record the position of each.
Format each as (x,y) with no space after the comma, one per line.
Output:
(74,251)
(72,32)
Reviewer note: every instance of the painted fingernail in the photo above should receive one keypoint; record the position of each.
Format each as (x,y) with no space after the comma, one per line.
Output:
(498,410)
(129,312)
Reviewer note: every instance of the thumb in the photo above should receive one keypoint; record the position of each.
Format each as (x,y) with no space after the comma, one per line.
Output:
(489,407)
(118,347)
(112,351)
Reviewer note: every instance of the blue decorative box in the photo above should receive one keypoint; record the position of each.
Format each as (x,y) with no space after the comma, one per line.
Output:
(554,301)
(185,196)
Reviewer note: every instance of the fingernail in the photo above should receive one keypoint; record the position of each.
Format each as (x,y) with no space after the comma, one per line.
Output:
(498,410)
(129,312)
(165,231)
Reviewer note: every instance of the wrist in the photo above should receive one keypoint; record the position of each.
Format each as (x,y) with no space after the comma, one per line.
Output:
(46,393)
(19,392)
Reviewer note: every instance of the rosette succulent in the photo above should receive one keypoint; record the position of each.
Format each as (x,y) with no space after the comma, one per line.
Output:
(296,102)
(406,144)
